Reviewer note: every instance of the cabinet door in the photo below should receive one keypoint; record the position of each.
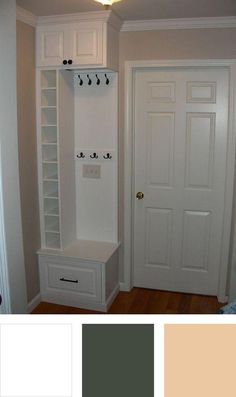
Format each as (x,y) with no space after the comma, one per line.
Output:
(87,43)
(50,46)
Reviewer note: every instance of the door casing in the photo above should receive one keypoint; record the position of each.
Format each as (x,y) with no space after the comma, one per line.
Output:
(5,307)
(130,68)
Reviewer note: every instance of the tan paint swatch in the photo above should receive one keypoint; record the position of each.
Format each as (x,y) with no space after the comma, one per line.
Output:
(200,360)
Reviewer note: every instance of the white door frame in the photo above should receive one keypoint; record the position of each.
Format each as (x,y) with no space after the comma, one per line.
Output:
(130,68)
(4,280)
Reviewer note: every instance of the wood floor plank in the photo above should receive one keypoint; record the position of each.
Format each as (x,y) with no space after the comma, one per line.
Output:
(158,301)
(145,301)
(185,304)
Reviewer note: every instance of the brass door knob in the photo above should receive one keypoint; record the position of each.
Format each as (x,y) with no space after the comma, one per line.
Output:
(139,195)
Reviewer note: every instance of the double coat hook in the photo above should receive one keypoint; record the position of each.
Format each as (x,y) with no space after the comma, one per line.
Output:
(107,157)
(94,156)
(98,80)
(80,80)
(89,80)
(107,80)
(81,155)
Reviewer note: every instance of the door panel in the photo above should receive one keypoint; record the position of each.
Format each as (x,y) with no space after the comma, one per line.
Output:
(197,230)
(200,150)
(199,92)
(161,92)
(158,227)
(160,148)
(181,134)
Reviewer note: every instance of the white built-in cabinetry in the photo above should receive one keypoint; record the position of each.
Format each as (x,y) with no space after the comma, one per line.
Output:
(78,41)
(77,118)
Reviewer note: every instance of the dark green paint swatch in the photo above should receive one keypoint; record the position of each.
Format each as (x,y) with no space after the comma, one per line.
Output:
(118,360)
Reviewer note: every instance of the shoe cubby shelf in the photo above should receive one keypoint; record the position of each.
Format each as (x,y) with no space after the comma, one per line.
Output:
(49,135)
(48,98)
(49,79)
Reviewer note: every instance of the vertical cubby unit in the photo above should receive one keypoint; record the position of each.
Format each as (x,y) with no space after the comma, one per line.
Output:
(49,167)
(56,156)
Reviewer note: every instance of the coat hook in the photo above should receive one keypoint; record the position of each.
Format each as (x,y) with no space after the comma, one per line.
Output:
(94,156)
(89,80)
(98,80)
(107,157)
(80,80)
(107,80)
(81,155)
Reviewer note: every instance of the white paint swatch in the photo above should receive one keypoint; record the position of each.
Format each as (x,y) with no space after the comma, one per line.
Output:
(35,360)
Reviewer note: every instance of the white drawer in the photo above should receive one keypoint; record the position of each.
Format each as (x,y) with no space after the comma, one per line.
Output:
(84,281)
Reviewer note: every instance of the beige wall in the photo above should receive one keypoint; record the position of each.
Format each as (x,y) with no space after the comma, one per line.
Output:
(28,152)
(168,44)
(12,258)
(199,349)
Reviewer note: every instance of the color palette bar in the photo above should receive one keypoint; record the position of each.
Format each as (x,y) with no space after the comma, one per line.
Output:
(70,357)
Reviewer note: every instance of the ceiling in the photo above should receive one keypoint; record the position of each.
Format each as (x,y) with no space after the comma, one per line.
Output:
(136,9)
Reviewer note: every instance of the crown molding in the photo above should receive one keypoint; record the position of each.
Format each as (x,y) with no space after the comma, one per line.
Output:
(106,16)
(25,16)
(179,23)
(128,26)
(75,17)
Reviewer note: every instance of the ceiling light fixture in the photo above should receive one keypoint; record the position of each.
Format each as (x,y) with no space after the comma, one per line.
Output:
(107,3)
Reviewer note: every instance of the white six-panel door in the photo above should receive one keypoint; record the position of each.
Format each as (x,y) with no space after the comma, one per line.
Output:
(181,132)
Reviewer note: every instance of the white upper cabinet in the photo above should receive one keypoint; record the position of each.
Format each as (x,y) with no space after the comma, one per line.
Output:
(50,46)
(87,43)
(78,41)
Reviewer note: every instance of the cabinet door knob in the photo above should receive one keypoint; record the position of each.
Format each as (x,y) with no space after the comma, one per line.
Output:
(70,62)
(65,62)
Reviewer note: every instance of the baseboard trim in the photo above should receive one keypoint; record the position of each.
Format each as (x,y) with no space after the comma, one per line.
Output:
(223,299)
(112,297)
(125,287)
(34,303)
(74,302)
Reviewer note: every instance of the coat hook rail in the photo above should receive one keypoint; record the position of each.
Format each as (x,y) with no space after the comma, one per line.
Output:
(97,81)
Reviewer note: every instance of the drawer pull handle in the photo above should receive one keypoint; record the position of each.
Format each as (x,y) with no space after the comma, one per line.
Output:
(69,281)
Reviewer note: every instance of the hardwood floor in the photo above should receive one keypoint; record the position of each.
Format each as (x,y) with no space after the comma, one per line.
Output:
(145,301)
